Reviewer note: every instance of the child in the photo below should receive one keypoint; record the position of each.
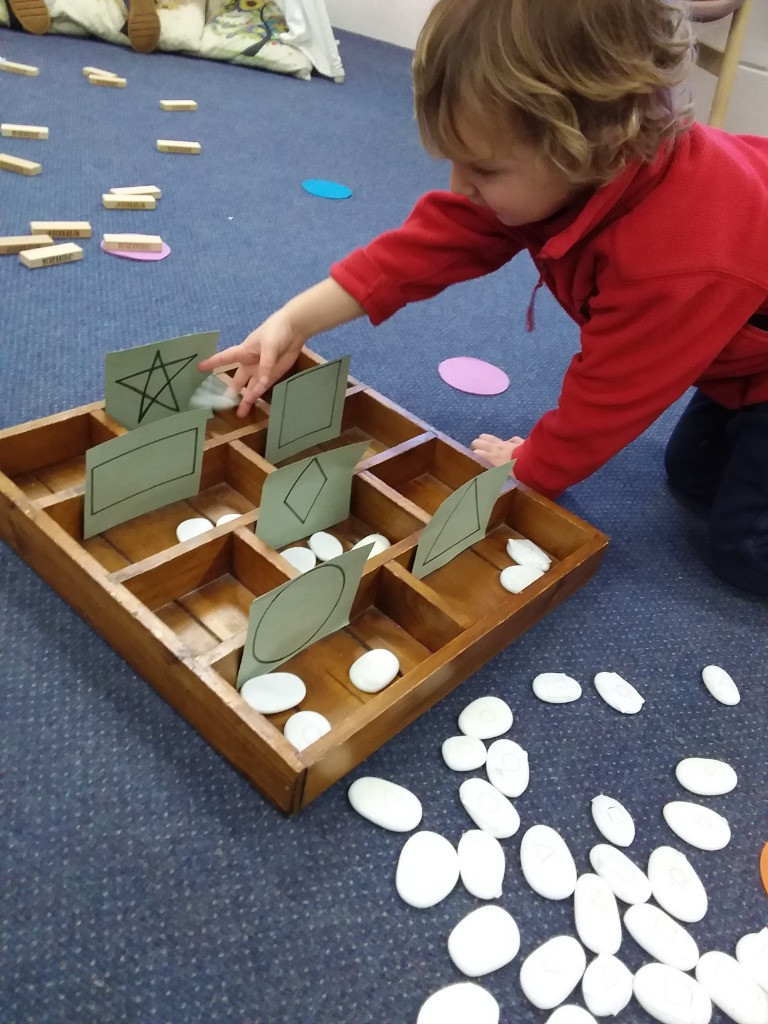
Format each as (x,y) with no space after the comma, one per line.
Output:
(567,137)
(143,23)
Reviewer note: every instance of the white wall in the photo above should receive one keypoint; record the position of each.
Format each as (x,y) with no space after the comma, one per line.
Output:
(393,21)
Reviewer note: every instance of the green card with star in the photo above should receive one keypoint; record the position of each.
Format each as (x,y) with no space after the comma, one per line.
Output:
(146,384)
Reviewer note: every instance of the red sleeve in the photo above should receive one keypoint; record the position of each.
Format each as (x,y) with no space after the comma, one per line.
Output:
(645,344)
(444,240)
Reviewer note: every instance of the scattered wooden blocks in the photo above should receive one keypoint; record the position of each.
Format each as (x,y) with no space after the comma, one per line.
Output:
(24,131)
(61,228)
(18,69)
(18,165)
(111,80)
(49,255)
(88,71)
(128,202)
(178,104)
(17,243)
(132,242)
(137,190)
(176,146)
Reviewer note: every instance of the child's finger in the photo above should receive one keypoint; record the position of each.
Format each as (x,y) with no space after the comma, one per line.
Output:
(227,355)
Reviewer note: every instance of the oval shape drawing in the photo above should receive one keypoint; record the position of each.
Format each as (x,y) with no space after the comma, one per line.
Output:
(318,589)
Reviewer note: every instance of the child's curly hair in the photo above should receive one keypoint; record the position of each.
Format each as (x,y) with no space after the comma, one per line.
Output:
(589,83)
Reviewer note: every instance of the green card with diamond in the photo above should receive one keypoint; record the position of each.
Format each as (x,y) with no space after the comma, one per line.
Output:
(306,409)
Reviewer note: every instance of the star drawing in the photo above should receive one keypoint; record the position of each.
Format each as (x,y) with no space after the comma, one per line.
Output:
(155,382)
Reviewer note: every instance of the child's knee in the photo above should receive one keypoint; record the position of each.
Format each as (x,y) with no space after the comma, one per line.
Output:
(741,559)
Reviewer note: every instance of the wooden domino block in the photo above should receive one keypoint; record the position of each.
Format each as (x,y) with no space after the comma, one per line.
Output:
(111,80)
(61,228)
(17,243)
(24,131)
(132,242)
(18,69)
(137,190)
(18,165)
(87,71)
(176,146)
(128,202)
(178,104)
(49,255)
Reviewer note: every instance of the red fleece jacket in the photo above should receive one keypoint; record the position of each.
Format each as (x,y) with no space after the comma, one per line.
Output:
(662,268)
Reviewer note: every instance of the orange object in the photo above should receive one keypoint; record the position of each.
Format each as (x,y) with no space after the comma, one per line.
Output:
(764,867)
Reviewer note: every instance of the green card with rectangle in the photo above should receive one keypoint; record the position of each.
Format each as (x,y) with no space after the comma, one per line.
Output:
(306,409)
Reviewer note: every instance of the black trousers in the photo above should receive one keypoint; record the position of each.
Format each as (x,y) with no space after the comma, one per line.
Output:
(719,458)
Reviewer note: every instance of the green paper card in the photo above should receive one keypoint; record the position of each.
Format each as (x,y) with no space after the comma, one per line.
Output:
(143,470)
(460,521)
(302,611)
(306,409)
(149,383)
(307,496)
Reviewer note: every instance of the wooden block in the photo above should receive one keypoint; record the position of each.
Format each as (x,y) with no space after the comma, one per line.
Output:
(87,71)
(18,165)
(24,131)
(127,202)
(17,243)
(111,80)
(47,256)
(18,69)
(178,104)
(137,190)
(61,228)
(175,146)
(128,242)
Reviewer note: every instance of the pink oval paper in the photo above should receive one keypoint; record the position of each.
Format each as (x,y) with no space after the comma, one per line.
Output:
(465,373)
(144,257)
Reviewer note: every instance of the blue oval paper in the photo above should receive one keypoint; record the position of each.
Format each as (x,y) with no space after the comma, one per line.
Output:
(326,189)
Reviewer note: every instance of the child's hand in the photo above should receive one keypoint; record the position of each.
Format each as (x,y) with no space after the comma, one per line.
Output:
(494,450)
(265,355)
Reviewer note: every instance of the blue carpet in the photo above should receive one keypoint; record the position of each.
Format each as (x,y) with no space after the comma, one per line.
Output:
(142,878)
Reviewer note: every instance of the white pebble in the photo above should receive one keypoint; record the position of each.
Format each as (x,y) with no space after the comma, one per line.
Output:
(660,935)
(626,879)
(720,685)
(700,826)
(273,692)
(730,987)
(675,885)
(525,552)
(550,973)
(228,517)
(613,820)
(485,718)
(379,541)
(570,1014)
(482,863)
(464,753)
(515,578)
(427,870)
(374,670)
(459,1004)
(485,940)
(385,803)
(606,986)
(547,863)
(325,546)
(488,808)
(190,528)
(507,767)
(671,996)
(598,924)
(305,727)
(705,776)
(300,558)
(556,688)
(618,693)
(752,953)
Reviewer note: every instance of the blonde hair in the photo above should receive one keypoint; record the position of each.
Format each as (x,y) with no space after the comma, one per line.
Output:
(591,84)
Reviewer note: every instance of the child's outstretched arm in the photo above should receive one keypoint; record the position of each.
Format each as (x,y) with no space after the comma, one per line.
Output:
(273,347)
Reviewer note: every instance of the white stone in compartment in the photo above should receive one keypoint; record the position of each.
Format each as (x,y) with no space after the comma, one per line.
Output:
(507,767)
(556,688)
(228,517)
(570,1014)
(486,718)
(300,558)
(427,870)
(550,973)
(731,988)
(325,546)
(598,924)
(488,808)
(374,670)
(515,578)
(706,776)
(379,541)
(305,727)
(720,685)
(628,881)
(618,693)
(752,953)
(464,753)
(606,986)
(700,826)
(675,885)
(190,528)
(671,996)
(482,863)
(485,940)
(385,803)
(273,692)
(547,863)
(459,1004)
(662,936)
(613,820)
(525,552)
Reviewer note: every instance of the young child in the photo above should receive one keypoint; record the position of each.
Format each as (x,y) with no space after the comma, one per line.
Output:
(568,137)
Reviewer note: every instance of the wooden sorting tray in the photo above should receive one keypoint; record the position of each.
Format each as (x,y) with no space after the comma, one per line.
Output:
(178,612)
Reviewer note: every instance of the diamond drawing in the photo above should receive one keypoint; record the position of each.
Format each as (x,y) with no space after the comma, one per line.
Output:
(306,490)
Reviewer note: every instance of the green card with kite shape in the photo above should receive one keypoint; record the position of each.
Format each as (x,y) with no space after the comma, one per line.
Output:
(306,409)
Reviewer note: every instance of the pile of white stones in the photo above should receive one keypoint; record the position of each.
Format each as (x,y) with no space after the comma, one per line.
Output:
(679,987)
